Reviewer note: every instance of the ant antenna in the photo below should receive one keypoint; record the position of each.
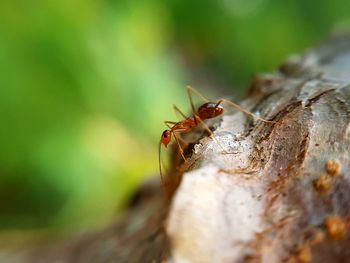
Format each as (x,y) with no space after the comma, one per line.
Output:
(160,162)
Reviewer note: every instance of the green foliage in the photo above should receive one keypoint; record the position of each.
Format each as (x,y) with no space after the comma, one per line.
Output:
(85,86)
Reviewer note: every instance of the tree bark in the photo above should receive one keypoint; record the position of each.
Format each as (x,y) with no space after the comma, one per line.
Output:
(258,192)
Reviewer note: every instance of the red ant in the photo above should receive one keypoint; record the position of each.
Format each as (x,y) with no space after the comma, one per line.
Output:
(206,111)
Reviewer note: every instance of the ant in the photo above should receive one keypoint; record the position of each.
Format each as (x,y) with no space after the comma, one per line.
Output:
(206,111)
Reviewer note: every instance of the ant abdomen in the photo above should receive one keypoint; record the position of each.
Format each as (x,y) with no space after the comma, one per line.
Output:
(210,110)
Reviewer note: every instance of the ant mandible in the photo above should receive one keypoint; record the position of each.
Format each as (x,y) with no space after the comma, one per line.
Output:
(206,111)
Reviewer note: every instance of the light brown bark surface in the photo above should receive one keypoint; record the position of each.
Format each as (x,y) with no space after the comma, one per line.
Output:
(265,193)
(283,193)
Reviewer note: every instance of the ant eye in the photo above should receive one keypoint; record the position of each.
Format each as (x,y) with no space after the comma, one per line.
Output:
(165,134)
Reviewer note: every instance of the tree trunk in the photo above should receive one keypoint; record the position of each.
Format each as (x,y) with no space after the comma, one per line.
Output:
(258,192)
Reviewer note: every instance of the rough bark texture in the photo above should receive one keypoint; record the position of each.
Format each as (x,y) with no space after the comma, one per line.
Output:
(259,192)
(282,194)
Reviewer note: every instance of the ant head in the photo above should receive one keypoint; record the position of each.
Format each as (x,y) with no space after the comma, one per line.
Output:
(210,110)
(166,137)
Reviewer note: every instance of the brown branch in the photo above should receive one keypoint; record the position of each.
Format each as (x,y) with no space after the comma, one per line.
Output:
(282,194)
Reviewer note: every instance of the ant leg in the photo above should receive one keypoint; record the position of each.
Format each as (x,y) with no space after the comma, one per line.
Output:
(180,148)
(218,103)
(245,111)
(191,90)
(168,123)
(177,110)
(182,140)
(212,134)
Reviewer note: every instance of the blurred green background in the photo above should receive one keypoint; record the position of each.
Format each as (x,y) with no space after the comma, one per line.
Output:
(86,85)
